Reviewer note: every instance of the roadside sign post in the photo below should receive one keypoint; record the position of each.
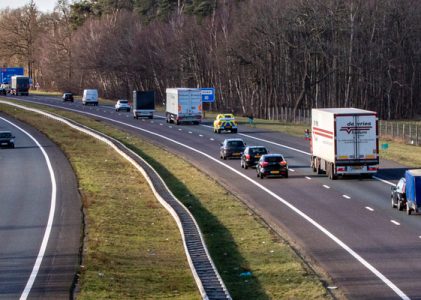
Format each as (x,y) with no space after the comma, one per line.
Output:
(208,96)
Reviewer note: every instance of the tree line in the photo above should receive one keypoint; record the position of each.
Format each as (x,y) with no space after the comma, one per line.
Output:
(262,56)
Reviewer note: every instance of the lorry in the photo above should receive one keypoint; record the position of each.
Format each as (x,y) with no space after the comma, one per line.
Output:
(143,104)
(344,141)
(404,194)
(90,97)
(19,85)
(183,105)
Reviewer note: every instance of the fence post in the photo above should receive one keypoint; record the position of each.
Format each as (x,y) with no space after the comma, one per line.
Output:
(416,134)
(403,131)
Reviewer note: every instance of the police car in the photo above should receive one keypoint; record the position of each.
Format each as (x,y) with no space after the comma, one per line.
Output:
(225,122)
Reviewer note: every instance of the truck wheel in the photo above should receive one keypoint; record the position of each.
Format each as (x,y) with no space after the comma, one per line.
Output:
(408,210)
(286,175)
(219,131)
(245,165)
(234,131)
(399,205)
(393,202)
(262,176)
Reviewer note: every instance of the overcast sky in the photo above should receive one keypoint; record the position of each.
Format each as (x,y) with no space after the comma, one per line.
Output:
(43,5)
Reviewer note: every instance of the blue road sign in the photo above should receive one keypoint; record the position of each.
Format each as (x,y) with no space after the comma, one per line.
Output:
(6,73)
(208,94)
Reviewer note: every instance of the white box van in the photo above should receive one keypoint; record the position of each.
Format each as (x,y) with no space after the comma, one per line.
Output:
(90,96)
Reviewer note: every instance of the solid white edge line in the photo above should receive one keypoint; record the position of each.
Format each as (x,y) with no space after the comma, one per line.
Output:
(157,195)
(359,258)
(49,226)
(395,222)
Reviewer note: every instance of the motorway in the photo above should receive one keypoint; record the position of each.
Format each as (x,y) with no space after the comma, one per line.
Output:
(346,227)
(40,217)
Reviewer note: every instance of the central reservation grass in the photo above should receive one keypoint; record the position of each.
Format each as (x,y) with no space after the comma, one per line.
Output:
(133,248)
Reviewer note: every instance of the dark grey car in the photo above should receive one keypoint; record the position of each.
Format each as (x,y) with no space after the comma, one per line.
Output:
(232,148)
(251,155)
(7,139)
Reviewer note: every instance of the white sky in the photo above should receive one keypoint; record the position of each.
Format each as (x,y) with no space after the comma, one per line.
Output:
(43,5)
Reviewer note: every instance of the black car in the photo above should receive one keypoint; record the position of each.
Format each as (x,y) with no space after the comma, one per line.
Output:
(272,165)
(67,96)
(7,139)
(251,155)
(232,148)
(398,195)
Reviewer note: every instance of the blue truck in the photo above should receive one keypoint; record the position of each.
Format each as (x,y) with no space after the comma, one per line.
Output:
(404,194)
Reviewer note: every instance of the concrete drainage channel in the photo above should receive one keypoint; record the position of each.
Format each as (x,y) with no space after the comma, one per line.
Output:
(204,271)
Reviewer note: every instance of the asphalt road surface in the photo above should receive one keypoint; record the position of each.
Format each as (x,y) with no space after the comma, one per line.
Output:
(40,228)
(347,227)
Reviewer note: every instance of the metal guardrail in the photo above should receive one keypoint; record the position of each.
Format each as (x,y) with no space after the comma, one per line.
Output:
(204,271)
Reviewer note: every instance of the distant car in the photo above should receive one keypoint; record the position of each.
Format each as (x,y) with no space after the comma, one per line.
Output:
(272,165)
(398,195)
(7,139)
(251,156)
(225,122)
(232,148)
(68,96)
(122,105)
(90,96)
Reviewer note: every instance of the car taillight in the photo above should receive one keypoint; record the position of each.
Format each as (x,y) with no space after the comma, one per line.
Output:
(247,156)
(372,168)
(265,164)
(283,163)
(340,169)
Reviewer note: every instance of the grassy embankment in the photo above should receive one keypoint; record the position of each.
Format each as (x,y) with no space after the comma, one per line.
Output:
(133,249)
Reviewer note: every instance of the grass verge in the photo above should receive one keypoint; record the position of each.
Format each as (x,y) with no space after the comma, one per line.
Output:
(238,240)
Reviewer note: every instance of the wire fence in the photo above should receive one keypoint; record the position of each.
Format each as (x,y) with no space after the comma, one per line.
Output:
(407,132)
(410,133)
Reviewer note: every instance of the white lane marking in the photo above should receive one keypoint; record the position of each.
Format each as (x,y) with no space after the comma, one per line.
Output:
(201,135)
(384,181)
(292,170)
(170,126)
(326,186)
(308,178)
(190,132)
(306,217)
(346,196)
(49,225)
(369,208)
(179,129)
(212,139)
(394,222)
(161,124)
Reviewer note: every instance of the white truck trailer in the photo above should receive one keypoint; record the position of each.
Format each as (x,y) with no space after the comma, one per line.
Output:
(183,105)
(344,141)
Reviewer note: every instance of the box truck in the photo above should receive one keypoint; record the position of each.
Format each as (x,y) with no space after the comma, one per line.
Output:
(344,141)
(405,193)
(19,85)
(183,105)
(90,97)
(143,104)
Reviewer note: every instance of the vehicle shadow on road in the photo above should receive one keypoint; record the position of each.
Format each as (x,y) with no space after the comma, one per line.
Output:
(219,241)
(392,173)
